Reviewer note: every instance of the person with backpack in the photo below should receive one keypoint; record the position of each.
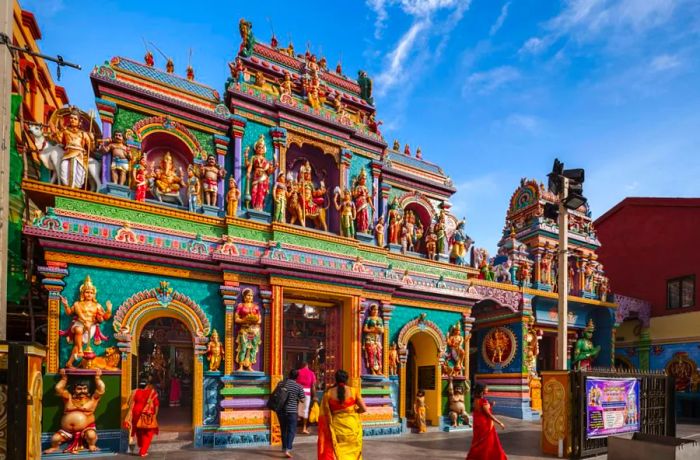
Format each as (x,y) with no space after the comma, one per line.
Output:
(284,401)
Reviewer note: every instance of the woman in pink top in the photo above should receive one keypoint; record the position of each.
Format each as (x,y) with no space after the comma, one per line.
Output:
(307,379)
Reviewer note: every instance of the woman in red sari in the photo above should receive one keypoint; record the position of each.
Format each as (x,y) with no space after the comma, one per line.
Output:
(145,397)
(339,425)
(485,442)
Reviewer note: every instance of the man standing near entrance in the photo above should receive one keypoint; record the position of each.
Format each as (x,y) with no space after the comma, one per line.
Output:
(307,379)
(289,417)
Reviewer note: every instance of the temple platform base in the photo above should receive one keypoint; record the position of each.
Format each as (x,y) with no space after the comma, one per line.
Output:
(261,216)
(365,237)
(121,191)
(213,211)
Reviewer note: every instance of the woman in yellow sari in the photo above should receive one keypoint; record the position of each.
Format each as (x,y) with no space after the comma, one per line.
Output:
(339,425)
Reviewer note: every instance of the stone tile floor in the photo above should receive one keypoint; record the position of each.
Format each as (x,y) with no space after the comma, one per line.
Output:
(520,439)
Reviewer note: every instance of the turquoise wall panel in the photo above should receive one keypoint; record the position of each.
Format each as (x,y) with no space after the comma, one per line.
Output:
(118,286)
(402,315)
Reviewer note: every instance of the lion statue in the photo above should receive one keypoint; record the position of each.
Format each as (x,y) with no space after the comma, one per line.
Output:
(108,362)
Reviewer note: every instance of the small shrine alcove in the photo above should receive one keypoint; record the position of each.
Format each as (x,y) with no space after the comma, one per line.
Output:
(324,178)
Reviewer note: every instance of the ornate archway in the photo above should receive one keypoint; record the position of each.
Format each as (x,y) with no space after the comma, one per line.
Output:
(163,302)
(423,327)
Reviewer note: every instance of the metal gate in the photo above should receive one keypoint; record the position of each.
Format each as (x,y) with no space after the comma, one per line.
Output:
(656,407)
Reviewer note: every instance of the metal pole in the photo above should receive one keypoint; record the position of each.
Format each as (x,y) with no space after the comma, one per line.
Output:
(5,133)
(563,279)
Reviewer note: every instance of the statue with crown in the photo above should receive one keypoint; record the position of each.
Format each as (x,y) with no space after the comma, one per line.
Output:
(84,330)
(453,363)
(585,352)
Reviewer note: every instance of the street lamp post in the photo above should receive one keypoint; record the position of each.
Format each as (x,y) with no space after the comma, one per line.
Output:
(563,279)
(567,186)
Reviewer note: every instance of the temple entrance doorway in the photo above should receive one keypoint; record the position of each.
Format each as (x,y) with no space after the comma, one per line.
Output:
(165,355)
(423,373)
(312,334)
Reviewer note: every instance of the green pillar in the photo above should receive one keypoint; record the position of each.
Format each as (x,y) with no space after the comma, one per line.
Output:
(643,349)
(16,281)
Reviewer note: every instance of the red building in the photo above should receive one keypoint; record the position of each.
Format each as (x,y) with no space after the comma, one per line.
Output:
(650,252)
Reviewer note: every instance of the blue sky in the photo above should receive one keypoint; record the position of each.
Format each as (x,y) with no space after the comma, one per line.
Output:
(492,90)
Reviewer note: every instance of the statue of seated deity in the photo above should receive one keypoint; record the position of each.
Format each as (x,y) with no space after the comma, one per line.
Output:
(167,181)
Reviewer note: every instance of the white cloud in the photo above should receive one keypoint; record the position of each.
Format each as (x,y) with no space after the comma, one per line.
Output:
(488,81)
(379,8)
(611,20)
(525,122)
(415,41)
(501,19)
(534,45)
(665,62)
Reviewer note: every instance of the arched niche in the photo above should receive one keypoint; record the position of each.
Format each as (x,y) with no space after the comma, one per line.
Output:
(324,168)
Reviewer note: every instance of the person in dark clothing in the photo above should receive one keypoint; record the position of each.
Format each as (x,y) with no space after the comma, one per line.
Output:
(289,418)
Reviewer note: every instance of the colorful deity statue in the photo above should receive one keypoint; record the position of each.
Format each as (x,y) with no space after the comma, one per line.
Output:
(418,237)
(140,178)
(431,243)
(158,364)
(393,359)
(210,174)
(120,158)
(532,347)
(148,59)
(279,198)
(194,190)
(373,330)
(78,420)
(258,169)
(441,233)
(167,180)
(344,204)
(455,399)
(248,319)
(497,343)
(408,232)
(419,153)
(247,38)
(237,70)
(286,87)
(215,351)
(460,245)
(365,84)
(77,145)
(395,221)
(584,351)
(87,315)
(363,203)
(313,198)
(454,354)
(407,150)
(232,197)
(546,267)
(396,145)
(294,201)
(379,231)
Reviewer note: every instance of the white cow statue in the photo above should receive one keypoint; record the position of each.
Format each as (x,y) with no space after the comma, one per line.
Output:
(51,155)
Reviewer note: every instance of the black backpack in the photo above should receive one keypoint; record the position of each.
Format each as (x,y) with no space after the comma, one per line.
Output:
(278,398)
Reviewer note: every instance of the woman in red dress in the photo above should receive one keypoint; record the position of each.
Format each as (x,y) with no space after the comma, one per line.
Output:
(485,442)
(145,396)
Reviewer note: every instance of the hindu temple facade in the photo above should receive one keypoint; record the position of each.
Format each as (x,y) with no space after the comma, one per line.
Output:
(217,241)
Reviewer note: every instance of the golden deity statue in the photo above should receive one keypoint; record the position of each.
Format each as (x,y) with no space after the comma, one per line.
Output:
(215,351)
(167,179)
(87,315)
(77,144)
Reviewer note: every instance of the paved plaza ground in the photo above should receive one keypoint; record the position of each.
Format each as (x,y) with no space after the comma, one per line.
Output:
(521,441)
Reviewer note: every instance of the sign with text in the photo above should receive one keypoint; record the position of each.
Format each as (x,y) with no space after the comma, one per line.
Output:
(612,406)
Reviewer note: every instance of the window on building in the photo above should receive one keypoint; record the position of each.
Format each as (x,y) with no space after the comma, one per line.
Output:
(681,292)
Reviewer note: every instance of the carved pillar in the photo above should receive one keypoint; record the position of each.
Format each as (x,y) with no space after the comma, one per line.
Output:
(387,309)
(238,128)
(356,340)
(106,109)
(275,363)
(467,324)
(279,142)
(266,298)
(53,273)
(538,267)
(643,349)
(376,172)
(229,292)
(345,160)
(386,189)
(221,145)
(403,358)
